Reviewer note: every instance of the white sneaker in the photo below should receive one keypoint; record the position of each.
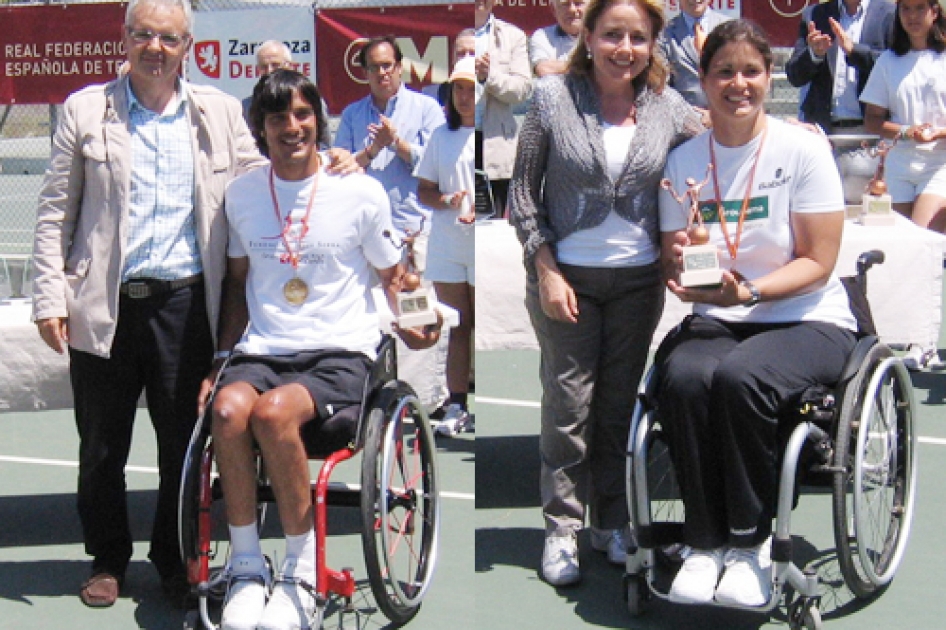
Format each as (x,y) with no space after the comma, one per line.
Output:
(696,580)
(247,591)
(455,420)
(918,358)
(914,358)
(614,542)
(290,607)
(560,560)
(748,577)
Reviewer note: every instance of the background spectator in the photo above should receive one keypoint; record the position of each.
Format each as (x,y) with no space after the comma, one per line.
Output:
(905,100)
(502,68)
(681,44)
(834,55)
(549,47)
(446,185)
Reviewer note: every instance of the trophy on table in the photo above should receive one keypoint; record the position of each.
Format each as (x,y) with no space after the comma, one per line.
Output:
(415,300)
(876,205)
(700,258)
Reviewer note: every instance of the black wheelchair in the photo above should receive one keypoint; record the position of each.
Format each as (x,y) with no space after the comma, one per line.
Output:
(857,438)
(398,497)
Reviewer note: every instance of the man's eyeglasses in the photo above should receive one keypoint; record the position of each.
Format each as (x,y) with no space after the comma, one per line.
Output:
(168,40)
(381,67)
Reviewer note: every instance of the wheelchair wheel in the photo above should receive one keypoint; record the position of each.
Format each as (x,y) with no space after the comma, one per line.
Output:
(194,474)
(400,502)
(874,484)
(666,502)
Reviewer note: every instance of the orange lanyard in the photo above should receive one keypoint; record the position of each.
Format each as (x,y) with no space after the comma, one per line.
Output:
(290,256)
(733,245)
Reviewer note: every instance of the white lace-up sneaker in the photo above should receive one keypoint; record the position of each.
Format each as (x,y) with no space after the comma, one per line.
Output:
(560,560)
(696,580)
(455,420)
(614,542)
(247,592)
(290,607)
(747,580)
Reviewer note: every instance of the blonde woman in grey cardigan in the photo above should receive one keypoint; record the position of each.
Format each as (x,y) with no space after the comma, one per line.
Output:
(584,203)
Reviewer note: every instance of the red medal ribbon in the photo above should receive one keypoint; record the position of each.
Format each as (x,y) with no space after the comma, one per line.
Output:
(733,245)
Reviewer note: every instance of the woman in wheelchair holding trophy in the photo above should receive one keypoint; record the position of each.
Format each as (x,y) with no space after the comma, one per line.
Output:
(770,316)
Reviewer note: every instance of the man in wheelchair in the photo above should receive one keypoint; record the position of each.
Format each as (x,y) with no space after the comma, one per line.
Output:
(778,323)
(304,248)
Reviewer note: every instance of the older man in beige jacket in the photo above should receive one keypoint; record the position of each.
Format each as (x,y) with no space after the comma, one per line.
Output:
(504,77)
(129,253)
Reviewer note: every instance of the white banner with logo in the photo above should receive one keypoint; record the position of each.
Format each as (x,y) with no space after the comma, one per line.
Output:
(225,43)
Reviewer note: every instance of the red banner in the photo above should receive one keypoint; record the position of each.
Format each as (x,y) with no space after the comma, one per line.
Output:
(48,52)
(424,33)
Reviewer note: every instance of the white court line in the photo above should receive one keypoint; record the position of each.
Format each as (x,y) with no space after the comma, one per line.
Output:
(507,402)
(463,496)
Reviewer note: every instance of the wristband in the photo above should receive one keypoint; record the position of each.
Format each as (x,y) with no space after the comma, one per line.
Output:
(904,129)
(448,199)
(221,354)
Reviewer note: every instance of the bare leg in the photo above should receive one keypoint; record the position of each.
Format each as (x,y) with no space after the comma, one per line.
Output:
(460,296)
(233,449)
(276,421)
(929,211)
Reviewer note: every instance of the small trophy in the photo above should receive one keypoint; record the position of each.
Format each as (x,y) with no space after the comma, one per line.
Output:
(876,208)
(415,302)
(700,258)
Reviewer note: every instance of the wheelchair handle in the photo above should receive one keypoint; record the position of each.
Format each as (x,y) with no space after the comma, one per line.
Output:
(868,259)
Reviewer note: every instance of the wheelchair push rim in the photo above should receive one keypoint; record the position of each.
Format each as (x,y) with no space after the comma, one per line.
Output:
(874,485)
(400,504)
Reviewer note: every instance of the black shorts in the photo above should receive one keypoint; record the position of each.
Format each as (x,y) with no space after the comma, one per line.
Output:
(334,378)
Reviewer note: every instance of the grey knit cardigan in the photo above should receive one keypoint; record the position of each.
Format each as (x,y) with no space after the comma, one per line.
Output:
(560,183)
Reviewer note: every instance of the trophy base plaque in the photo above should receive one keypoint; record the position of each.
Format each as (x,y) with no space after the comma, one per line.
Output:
(700,266)
(416,308)
(877,211)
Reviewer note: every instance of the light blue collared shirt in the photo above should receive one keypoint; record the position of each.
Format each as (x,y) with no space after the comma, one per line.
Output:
(845,103)
(415,116)
(162,235)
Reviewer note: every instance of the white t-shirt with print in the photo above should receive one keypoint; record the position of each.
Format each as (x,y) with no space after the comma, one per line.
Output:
(912,88)
(346,239)
(796,174)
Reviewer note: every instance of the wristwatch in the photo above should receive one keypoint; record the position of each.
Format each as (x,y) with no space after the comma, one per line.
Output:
(755,294)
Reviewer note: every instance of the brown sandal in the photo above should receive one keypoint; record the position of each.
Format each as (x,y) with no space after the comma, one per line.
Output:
(100,590)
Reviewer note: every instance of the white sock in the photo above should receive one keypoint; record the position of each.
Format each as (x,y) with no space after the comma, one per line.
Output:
(244,541)
(300,556)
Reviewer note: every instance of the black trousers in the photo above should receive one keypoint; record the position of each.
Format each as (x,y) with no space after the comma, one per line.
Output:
(721,392)
(163,346)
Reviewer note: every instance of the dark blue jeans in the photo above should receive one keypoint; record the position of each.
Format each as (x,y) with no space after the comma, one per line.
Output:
(163,346)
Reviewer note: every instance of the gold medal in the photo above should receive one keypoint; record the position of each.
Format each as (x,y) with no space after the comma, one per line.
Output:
(295,291)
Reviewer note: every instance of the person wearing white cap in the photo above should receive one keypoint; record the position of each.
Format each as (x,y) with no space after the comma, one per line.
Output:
(445,184)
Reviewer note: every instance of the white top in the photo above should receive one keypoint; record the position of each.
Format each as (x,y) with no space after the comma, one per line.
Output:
(448,161)
(615,242)
(912,88)
(346,238)
(796,174)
